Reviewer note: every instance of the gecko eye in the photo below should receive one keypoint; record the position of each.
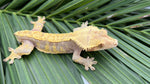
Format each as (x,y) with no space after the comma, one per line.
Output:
(101,45)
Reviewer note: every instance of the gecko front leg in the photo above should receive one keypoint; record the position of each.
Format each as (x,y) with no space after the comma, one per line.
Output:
(24,49)
(87,62)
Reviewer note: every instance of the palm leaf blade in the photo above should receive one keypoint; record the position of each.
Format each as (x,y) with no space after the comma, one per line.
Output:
(2,78)
(125,20)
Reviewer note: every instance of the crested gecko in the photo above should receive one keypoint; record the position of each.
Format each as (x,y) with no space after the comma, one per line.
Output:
(88,38)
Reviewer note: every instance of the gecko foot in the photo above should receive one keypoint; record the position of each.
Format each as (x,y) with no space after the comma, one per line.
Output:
(12,57)
(88,63)
(40,20)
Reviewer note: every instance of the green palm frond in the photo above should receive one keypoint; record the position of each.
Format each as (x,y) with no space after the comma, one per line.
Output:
(125,20)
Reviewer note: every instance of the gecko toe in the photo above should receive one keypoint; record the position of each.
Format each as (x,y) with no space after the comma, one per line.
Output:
(5,60)
(19,57)
(10,49)
(94,62)
(39,17)
(92,68)
(86,68)
(92,58)
(32,22)
(11,61)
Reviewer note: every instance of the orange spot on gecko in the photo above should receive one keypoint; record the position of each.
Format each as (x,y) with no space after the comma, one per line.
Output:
(54,48)
(38,44)
(61,49)
(47,46)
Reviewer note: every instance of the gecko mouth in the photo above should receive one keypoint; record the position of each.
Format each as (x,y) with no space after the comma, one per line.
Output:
(96,48)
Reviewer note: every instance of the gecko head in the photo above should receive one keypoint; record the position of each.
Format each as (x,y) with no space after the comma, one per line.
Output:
(105,41)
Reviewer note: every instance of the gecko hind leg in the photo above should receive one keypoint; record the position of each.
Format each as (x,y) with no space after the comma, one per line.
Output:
(38,25)
(83,25)
(24,49)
